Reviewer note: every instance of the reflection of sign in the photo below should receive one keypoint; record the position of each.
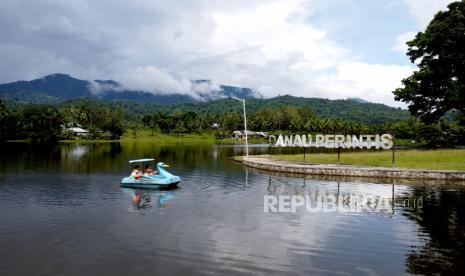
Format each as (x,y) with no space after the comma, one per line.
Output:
(383,141)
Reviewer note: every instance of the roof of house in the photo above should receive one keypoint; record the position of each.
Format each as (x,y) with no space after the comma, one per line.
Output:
(78,129)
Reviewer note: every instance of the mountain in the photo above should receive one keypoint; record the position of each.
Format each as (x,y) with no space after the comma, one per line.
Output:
(358,100)
(62,89)
(57,88)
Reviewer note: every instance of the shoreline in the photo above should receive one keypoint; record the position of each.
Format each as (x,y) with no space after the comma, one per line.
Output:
(350,170)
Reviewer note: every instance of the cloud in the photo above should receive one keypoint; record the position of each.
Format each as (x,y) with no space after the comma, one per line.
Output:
(401,40)
(271,46)
(424,10)
(97,87)
(153,79)
(203,87)
(373,82)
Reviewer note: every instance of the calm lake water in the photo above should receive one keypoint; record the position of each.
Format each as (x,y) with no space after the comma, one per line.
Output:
(63,212)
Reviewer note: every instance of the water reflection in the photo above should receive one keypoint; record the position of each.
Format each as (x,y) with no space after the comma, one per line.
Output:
(442,220)
(144,199)
(164,200)
(62,211)
(342,196)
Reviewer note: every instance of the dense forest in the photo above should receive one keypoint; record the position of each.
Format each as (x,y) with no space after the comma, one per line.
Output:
(366,113)
(109,120)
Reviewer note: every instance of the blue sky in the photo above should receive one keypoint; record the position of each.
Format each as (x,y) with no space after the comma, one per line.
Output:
(330,49)
(367,28)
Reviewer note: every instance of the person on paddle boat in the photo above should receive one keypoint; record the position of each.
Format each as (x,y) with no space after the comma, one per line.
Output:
(136,199)
(136,173)
(149,171)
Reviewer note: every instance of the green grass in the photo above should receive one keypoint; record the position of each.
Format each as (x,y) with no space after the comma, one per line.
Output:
(202,137)
(207,137)
(438,159)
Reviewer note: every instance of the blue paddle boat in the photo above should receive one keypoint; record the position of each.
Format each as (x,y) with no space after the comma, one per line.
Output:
(162,180)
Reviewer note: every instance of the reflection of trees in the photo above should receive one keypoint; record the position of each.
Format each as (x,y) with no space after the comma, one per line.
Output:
(443,219)
(24,156)
(112,157)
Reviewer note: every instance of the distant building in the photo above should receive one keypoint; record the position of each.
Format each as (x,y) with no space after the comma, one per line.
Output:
(75,129)
(215,126)
(239,134)
(261,134)
(78,131)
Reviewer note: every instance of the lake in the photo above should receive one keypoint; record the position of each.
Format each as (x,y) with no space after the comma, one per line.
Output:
(62,212)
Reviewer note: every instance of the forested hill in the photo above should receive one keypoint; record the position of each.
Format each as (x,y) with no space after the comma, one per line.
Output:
(367,113)
(60,89)
(56,88)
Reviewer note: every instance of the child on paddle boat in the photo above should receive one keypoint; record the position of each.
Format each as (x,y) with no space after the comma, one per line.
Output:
(136,173)
(149,171)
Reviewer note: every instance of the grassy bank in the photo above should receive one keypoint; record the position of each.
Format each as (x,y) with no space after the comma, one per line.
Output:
(439,159)
(206,137)
(197,137)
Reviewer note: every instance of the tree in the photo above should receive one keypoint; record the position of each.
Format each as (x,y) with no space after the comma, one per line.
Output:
(115,127)
(42,123)
(3,122)
(439,84)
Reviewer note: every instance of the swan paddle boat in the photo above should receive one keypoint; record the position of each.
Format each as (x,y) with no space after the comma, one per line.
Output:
(163,179)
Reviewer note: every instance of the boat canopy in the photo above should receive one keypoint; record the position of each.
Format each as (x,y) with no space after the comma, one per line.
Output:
(141,160)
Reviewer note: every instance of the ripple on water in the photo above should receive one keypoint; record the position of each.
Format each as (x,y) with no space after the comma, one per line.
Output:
(70,216)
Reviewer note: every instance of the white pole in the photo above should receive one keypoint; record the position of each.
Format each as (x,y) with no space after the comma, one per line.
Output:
(245,126)
(245,130)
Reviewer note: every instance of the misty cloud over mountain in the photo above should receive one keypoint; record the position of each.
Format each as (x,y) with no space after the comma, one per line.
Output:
(60,87)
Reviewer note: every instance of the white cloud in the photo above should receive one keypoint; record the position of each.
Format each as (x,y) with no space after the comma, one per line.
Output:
(273,34)
(205,87)
(424,10)
(153,79)
(401,40)
(373,82)
(159,46)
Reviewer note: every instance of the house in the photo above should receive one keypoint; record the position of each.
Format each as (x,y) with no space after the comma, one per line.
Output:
(261,134)
(75,129)
(252,134)
(237,134)
(78,131)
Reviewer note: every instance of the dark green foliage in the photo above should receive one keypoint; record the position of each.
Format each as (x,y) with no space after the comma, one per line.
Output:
(285,119)
(371,114)
(114,126)
(3,122)
(97,116)
(11,124)
(439,84)
(110,119)
(366,113)
(440,133)
(42,123)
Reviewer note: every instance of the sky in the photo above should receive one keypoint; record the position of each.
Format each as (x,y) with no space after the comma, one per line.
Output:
(333,49)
